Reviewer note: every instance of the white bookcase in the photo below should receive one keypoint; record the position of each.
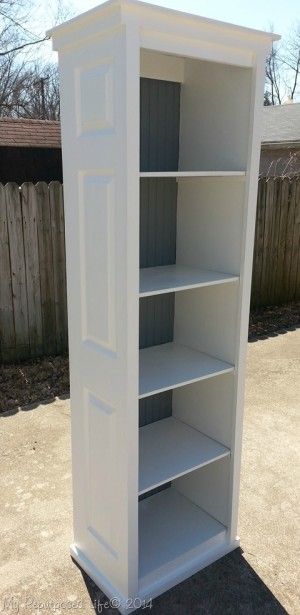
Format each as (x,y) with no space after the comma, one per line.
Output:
(161,135)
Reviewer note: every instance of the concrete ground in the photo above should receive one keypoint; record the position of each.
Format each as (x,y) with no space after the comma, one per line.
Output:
(38,576)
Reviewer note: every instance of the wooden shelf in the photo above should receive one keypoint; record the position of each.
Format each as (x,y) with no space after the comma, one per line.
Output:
(169,448)
(183,174)
(159,280)
(172,532)
(168,366)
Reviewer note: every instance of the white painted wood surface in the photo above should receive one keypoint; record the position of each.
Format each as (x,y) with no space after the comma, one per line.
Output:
(209,223)
(209,489)
(170,448)
(168,366)
(208,406)
(166,67)
(209,139)
(159,280)
(172,531)
(187,174)
(101,193)
(205,319)
(222,69)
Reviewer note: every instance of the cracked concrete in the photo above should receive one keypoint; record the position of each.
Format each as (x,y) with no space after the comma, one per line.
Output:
(37,573)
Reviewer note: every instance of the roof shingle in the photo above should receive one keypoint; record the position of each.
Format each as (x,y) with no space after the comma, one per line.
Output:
(29,133)
(281,124)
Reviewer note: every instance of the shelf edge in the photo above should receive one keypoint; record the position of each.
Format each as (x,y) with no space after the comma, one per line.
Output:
(188,471)
(228,370)
(187,174)
(172,289)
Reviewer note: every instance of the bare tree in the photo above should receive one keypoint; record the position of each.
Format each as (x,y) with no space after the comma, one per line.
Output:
(273,77)
(40,97)
(14,33)
(291,61)
(34,93)
(282,70)
(28,86)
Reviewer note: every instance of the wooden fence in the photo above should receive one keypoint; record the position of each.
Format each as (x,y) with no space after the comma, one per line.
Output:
(276,259)
(33,307)
(33,310)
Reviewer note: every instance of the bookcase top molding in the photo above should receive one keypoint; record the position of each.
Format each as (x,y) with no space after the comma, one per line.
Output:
(154,24)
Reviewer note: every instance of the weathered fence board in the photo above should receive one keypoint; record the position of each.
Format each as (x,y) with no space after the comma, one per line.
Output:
(276,259)
(260,229)
(30,213)
(282,203)
(59,259)
(17,265)
(272,292)
(46,267)
(295,259)
(7,326)
(33,304)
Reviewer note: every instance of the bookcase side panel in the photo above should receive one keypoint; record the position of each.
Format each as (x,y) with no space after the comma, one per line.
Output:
(209,223)
(100,186)
(248,230)
(214,116)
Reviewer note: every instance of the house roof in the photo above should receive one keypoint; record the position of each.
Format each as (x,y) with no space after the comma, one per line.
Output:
(281,124)
(29,133)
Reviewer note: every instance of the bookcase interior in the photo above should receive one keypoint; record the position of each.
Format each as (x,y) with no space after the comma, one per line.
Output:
(202,119)
(178,524)
(190,259)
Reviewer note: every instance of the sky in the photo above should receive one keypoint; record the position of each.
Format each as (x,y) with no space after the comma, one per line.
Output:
(278,15)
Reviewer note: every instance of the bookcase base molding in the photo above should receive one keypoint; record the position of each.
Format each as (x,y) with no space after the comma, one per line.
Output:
(148,591)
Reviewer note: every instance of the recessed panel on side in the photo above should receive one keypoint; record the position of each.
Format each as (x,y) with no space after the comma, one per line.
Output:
(94,96)
(102,442)
(97,228)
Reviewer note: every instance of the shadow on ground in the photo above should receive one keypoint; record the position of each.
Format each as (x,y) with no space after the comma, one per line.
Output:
(253,337)
(229,586)
(35,405)
(28,384)
(273,320)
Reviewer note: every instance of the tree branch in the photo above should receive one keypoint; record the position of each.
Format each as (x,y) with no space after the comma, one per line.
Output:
(40,40)
(17,23)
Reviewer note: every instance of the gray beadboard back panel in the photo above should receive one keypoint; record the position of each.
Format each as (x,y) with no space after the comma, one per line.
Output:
(156,319)
(159,151)
(155,407)
(158,216)
(159,125)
